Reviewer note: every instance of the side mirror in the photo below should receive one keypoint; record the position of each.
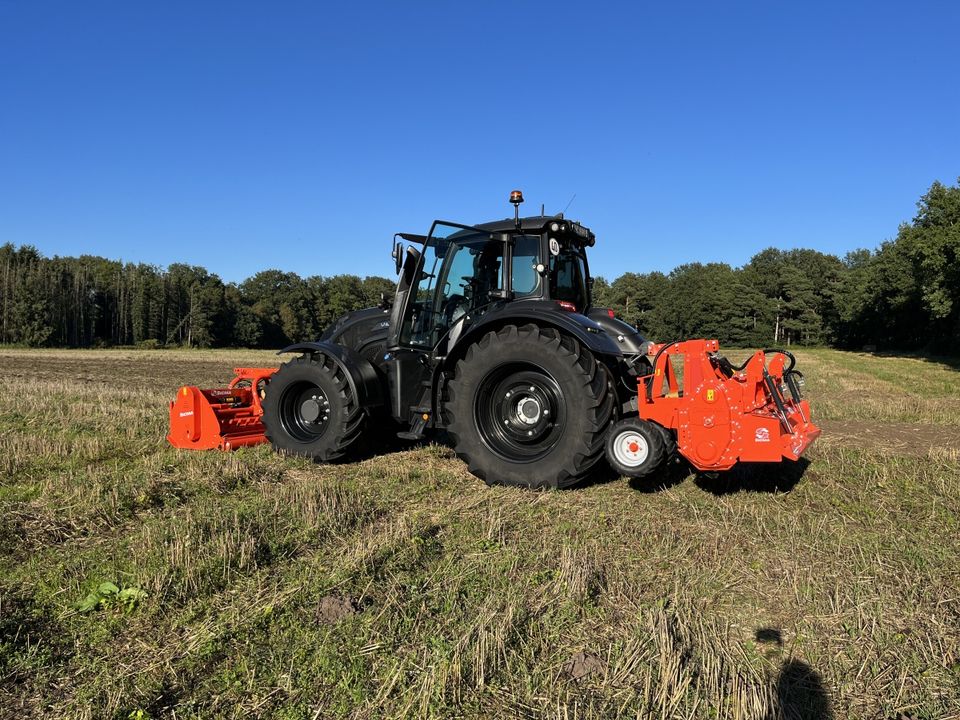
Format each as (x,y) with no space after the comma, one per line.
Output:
(397,255)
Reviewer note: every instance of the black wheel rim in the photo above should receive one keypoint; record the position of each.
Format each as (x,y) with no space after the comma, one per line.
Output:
(304,411)
(520,412)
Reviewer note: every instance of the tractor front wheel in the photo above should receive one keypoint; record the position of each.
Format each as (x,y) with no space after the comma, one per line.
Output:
(529,406)
(309,409)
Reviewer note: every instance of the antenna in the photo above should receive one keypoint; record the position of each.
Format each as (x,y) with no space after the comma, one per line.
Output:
(569,204)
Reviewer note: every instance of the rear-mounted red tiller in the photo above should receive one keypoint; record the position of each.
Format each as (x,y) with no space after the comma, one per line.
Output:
(724,414)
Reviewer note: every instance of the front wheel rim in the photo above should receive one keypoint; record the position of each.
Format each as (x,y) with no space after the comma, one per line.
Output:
(520,412)
(304,411)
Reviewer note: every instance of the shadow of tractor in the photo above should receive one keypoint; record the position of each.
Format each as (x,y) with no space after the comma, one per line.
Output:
(779,477)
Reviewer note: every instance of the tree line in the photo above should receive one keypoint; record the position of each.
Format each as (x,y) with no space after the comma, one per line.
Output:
(91,301)
(904,295)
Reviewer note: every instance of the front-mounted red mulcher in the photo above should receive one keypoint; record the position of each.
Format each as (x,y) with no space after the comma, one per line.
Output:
(714,414)
(220,418)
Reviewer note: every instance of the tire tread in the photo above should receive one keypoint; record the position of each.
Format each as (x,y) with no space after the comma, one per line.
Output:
(594,384)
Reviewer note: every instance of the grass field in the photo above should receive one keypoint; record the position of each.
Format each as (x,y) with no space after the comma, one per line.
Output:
(253,585)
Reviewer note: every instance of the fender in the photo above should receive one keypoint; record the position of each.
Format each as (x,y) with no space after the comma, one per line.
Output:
(358,327)
(628,338)
(540,312)
(360,373)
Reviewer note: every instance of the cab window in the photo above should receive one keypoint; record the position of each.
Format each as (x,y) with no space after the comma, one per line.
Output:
(526,257)
(568,279)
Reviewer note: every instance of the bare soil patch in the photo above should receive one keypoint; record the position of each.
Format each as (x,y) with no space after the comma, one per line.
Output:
(900,438)
(333,609)
(583,664)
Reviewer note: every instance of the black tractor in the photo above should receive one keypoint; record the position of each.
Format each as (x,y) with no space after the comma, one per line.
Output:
(491,336)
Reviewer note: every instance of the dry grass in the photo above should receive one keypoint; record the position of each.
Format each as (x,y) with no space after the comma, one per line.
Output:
(400,586)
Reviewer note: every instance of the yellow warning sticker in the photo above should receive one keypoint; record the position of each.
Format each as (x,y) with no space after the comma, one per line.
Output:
(710,394)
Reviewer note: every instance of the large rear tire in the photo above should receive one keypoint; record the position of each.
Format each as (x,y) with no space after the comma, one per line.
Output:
(530,407)
(310,410)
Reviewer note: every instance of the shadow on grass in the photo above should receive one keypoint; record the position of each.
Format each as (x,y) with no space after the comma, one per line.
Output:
(380,438)
(782,477)
(744,477)
(31,640)
(800,692)
(755,477)
(674,474)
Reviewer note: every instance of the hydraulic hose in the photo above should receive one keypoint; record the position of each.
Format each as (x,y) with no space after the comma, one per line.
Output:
(787,353)
(656,358)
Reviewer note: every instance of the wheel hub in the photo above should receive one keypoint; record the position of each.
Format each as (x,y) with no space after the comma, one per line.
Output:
(524,409)
(310,410)
(631,449)
(528,410)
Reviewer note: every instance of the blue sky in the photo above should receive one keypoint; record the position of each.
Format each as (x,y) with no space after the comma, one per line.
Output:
(302,135)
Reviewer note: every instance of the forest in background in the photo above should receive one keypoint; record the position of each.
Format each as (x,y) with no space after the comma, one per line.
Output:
(905,295)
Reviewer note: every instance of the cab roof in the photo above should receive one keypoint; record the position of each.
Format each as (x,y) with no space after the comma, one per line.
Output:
(535,223)
(540,223)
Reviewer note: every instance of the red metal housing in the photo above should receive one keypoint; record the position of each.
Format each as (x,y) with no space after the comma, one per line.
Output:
(723,415)
(223,418)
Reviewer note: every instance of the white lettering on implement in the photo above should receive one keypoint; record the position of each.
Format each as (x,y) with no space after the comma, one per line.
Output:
(762,435)
(186,414)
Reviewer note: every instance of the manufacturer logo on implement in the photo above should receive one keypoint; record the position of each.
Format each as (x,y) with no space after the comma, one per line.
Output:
(761,435)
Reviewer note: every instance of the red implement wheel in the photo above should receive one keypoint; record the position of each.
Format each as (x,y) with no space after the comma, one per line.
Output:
(636,448)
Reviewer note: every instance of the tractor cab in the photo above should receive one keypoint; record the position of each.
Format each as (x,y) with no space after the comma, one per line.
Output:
(462,280)
(464,272)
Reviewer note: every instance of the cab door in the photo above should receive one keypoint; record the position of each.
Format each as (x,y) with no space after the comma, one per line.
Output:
(421,314)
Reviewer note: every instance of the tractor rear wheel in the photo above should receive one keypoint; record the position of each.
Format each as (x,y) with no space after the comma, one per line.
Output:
(529,406)
(638,448)
(310,410)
